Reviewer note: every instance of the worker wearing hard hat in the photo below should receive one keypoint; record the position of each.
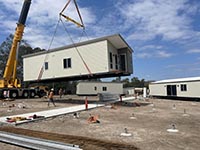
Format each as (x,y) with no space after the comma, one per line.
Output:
(50,97)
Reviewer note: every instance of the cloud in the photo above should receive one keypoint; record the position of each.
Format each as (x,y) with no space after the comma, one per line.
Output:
(193,51)
(147,47)
(150,51)
(153,54)
(164,54)
(42,20)
(185,68)
(184,65)
(143,55)
(148,19)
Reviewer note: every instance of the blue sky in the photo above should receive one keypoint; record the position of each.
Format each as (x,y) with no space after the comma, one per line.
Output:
(164,34)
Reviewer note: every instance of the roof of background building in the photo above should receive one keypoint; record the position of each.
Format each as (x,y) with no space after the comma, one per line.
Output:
(189,79)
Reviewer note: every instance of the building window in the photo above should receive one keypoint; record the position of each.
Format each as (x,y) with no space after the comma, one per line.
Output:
(46,65)
(104,88)
(183,87)
(111,60)
(67,63)
(95,88)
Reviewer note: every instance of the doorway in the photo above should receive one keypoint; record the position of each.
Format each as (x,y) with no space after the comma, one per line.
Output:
(123,65)
(171,90)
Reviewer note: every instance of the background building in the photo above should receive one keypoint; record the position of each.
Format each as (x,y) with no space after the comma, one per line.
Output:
(176,88)
(94,88)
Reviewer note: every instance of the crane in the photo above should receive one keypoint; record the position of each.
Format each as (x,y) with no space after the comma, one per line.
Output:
(9,77)
(10,83)
(10,86)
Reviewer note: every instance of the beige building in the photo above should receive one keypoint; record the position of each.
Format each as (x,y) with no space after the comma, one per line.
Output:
(182,88)
(108,56)
(94,88)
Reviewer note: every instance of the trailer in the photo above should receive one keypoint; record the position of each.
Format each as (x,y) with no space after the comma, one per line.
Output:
(182,88)
(94,88)
(103,57)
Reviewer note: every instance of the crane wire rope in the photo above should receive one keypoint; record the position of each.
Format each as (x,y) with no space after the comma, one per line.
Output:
(46,56)
(80,25)
(85,64)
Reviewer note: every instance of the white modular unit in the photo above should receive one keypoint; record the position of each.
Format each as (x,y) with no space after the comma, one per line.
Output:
(103,57)
(182,87)
(93,88)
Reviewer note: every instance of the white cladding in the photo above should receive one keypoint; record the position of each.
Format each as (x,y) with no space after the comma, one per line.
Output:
(96,62)
(93,88)
(185,87)
(85,59)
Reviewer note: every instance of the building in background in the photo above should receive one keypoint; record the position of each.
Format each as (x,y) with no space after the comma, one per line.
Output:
(176,88)
(95,88)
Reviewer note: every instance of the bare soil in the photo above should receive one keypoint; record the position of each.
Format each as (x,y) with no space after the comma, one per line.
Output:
(146,120)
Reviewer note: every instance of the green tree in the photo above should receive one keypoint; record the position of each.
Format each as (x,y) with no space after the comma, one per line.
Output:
(134,82)
(24,49)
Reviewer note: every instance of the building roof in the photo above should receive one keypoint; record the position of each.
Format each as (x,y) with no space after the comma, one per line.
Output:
(189,79)
(116,40)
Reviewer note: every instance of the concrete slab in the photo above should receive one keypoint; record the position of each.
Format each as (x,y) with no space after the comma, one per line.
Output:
(48,113)
(54,112)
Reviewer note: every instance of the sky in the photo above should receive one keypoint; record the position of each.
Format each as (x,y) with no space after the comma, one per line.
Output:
(164,34)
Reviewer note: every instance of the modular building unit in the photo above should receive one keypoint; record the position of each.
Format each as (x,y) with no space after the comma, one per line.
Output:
(94,88)
(108,56)
(176,88)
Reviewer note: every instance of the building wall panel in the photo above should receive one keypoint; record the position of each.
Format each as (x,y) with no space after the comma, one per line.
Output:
(94,55)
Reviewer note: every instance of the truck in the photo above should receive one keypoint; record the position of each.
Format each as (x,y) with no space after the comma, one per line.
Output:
(10,85)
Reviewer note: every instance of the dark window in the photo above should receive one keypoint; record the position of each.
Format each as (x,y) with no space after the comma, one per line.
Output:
(95,88)
(46,65)
(67,63)
(183,87)
(104,88)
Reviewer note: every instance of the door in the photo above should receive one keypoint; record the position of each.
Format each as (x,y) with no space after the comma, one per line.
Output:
(123,65)
(171,90)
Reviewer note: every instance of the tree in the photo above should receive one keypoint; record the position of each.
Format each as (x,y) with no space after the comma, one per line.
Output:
(135,82)
(24,49)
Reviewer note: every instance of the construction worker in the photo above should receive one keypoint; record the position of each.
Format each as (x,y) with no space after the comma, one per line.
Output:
(60,92)
(93,119)
(50,96)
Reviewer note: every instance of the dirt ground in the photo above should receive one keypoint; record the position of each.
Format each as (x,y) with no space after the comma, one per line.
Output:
(146,120)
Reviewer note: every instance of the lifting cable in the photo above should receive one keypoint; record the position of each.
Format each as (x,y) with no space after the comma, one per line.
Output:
(46,56)
(75,22)
(79,25)
(85,64)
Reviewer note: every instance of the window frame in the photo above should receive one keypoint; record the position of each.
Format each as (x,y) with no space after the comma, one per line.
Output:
(183,87)
(46,65)
(67,63)
(104,88)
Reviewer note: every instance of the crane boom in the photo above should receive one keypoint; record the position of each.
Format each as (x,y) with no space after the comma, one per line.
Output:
(9,77)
